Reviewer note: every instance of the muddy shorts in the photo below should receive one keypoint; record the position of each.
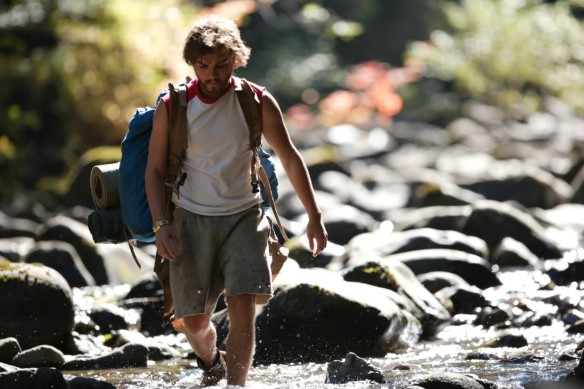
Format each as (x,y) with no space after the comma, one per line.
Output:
(219,253)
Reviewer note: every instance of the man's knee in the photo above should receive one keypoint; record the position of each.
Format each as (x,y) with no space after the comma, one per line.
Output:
(241,306)
(197,324)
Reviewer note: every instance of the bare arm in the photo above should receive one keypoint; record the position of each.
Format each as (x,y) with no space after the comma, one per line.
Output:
(277,136)
(166,243)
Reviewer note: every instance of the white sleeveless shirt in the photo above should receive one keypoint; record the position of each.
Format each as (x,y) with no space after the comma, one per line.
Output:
(218,157)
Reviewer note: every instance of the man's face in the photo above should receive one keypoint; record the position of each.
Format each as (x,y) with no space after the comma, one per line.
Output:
(213,71)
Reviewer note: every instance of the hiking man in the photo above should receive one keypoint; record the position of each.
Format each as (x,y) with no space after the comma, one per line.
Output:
(218,238)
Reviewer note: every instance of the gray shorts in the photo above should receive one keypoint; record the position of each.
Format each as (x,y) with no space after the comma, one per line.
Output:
(219,253)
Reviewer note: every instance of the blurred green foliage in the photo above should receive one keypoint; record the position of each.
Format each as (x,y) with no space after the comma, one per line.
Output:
(509,53)
(74,71)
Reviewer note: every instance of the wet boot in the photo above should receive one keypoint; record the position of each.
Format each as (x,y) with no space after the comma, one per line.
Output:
(212,375)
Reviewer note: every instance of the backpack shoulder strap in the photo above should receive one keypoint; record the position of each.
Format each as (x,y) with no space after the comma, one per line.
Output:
(177,141)
(251,110)
(177,130)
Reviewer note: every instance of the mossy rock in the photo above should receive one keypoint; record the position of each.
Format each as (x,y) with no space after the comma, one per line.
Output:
(36,305)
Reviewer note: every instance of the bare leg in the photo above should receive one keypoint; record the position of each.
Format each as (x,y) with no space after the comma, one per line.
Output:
(241,340)
(202,336)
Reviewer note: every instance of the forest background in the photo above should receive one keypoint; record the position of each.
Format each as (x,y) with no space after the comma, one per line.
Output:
(72,72)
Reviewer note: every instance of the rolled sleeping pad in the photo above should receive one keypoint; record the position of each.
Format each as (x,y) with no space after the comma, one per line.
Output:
(104,183)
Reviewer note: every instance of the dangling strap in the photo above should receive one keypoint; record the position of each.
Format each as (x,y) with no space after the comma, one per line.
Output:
(266,182)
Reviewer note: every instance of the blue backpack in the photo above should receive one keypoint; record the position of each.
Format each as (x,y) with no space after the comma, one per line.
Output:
(132,190)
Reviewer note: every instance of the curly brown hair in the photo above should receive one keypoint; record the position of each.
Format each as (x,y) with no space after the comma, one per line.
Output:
(214,33)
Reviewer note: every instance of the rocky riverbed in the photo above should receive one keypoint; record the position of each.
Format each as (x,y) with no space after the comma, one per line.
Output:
(455,261)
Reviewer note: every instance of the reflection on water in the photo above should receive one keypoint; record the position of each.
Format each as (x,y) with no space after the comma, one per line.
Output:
(446,353)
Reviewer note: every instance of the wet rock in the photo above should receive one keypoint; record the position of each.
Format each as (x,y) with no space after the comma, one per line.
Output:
(15,227)
(352,368)
(491,317)
(525,184)
(36,305)
(157,351)
(446,380)
(447,218)
(461,299)
(344,223)
(481,355)
(77,234)
(511,253)
(508,340)
(299,250)
(129,355)
(9,347)
(147,286)
(372,273)
(493,221)
(62,257)
(39,356)
(386,242)
(473,269)
(437,280)
(43,377)
(289,329)
(428,310)
(150,310)
(521,357)
(88,383)
(431,194)
(108,317)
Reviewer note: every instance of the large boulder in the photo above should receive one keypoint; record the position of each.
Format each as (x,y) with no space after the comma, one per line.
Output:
(316,316)
(493,221)
(36,305)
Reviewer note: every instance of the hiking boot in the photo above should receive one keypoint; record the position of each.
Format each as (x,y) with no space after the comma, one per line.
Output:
(212,375)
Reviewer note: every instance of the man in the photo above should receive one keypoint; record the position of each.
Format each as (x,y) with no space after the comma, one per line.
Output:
(218,238)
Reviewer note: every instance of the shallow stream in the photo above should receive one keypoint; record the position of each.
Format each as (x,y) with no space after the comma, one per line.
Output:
(446,353)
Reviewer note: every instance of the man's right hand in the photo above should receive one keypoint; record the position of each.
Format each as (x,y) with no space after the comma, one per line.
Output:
(167,244)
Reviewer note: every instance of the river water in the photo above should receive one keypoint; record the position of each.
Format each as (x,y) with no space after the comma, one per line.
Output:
(445,353)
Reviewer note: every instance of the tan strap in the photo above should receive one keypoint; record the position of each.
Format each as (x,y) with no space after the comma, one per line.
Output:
(132,249)
(266,182)
(250,107)
(177,141)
